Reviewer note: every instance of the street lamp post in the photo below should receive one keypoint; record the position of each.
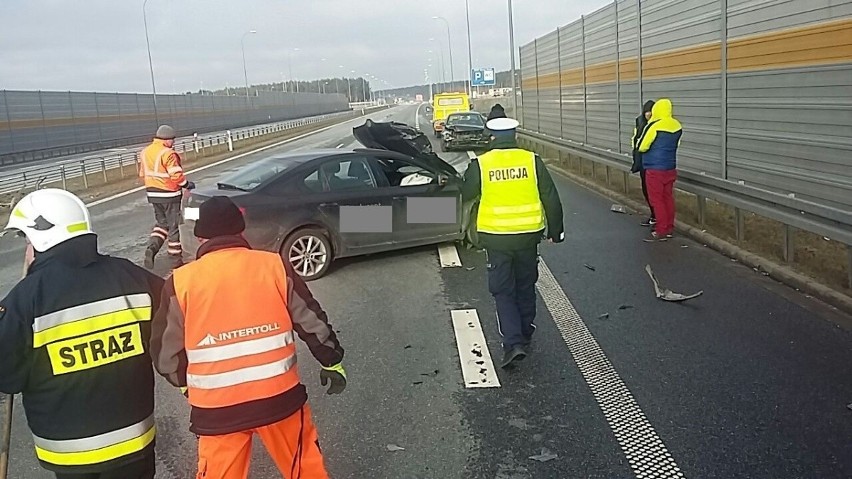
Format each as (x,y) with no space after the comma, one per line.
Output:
(441,57)
(512,63)
(469,51)
(290,67)
(150,62)
(449,47)
(245,71)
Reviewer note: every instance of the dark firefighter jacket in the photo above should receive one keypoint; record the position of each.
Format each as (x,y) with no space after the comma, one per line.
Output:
(74,335)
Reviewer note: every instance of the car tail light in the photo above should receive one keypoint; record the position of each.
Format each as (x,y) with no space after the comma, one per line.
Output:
(243,210)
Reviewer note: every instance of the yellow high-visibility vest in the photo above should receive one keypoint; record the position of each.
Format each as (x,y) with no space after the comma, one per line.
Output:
(510,202)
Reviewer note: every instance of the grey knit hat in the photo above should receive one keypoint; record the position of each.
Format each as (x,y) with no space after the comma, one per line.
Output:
(165,132)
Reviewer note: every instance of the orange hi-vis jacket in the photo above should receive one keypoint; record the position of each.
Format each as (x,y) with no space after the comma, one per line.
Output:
(160,167)
(226,331)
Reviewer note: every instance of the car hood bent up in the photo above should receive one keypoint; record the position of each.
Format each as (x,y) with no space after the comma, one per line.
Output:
(401,138)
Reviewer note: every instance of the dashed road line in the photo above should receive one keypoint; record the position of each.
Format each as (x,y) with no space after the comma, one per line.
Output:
(645,451)
(471,154)
(476,364)
(339,146)
(449,256)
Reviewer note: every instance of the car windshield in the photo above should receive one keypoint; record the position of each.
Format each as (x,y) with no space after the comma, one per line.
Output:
(471,119)
(252,176)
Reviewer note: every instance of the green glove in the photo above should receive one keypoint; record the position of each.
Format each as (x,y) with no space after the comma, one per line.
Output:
(337,375)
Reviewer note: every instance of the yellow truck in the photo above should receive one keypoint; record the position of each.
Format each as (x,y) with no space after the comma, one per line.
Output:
(443,105)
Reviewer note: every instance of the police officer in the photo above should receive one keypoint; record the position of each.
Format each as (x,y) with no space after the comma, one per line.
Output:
(518,200)
(164,184)
(74,335)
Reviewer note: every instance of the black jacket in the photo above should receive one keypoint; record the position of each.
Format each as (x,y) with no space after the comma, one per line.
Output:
(78,383)
(641,123)
(472,188)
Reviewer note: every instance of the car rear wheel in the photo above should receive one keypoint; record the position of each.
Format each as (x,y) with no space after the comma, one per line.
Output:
(309,253)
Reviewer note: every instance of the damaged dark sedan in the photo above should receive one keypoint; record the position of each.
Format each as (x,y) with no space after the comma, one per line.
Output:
(318,206)
(465,131)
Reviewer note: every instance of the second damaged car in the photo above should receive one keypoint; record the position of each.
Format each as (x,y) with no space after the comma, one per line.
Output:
(465,131)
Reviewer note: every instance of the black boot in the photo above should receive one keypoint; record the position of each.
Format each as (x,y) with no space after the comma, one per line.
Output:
(149,257)
(516,353)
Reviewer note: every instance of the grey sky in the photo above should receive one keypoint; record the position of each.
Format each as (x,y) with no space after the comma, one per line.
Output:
(100,44)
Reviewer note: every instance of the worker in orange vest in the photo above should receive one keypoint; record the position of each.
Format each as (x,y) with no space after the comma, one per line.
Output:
(160,166)
(226,331)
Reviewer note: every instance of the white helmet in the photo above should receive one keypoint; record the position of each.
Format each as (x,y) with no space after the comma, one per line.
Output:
(50,216)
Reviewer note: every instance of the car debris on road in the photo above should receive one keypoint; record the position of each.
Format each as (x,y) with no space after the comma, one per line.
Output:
(667,294)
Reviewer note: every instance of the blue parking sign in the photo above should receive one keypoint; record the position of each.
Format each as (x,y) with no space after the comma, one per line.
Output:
(483,77)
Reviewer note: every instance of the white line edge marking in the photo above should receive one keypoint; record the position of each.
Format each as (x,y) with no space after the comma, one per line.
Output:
(220,162)
(339,146)
(417,116)
(449,256)
(476,364)
(471,154)
(645,451)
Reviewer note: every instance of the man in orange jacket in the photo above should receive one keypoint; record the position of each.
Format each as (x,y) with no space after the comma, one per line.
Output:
(225,331)
(160,166)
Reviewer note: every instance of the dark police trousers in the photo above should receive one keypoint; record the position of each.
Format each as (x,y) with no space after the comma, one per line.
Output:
(141,469)
(167,217)
(512,275)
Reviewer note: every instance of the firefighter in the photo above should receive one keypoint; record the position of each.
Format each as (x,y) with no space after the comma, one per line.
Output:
(74,335)
(518,199)
(164,183)
(226,331)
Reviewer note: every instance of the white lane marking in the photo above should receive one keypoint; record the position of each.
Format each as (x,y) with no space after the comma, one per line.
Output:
(338,146)
(417,116)
(645,451)
(471,155)
(476,364)
(449,256)
(211,165)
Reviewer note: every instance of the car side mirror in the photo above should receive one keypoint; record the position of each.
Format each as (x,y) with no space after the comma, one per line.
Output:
(443,180)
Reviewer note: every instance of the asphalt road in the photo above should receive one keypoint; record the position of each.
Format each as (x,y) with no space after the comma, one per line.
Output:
(749,380)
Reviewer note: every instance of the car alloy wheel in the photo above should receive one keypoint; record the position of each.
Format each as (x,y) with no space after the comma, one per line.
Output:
(309,253)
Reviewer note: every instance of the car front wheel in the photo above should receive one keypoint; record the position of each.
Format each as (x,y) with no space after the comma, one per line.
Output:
(309,253)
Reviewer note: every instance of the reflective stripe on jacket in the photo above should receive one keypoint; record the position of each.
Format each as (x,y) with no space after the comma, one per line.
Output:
(661,138)
(226,331)
(74,335)
(162,171)
(238,332)
(510,202)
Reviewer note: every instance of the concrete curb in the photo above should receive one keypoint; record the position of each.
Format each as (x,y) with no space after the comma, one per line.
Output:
(776,271)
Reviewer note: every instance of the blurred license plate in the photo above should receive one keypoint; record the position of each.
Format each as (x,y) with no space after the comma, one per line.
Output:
(190,214)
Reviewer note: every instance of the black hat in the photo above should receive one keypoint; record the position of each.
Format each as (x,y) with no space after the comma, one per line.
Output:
(497,111)
(646,108)
(219,216)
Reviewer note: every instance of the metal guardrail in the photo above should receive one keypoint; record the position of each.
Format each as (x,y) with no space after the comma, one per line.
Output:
(792,212)
(62,171)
